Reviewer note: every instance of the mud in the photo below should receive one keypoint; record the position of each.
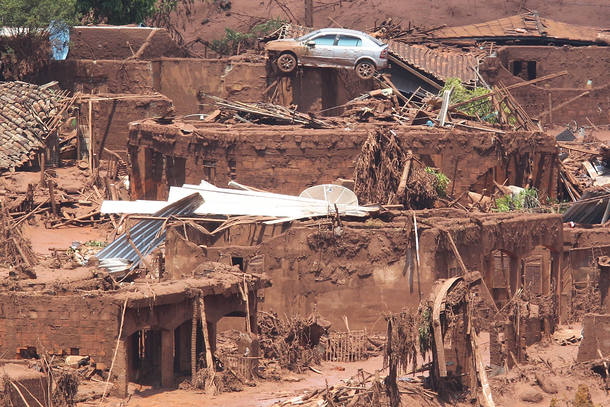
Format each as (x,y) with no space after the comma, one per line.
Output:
(99,43)
(209,21)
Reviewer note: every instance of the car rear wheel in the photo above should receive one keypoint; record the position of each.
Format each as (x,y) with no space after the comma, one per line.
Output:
(365,69)
(286,62)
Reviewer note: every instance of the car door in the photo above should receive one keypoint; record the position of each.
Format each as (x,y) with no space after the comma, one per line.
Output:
(349,48)
(320,51)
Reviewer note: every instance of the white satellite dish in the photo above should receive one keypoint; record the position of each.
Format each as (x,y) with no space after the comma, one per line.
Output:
(334,194)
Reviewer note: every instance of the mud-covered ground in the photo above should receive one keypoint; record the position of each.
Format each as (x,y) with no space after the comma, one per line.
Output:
(207,21)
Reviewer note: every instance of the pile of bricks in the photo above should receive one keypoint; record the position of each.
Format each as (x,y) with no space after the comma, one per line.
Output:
(27,115)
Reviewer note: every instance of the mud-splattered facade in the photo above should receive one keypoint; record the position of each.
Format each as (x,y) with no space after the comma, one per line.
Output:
(368,268)
(583,92)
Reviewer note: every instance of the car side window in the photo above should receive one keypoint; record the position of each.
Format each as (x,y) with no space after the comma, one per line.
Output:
(325,40)
(349,41)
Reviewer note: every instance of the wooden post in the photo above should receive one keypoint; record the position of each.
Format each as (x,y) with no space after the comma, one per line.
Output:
(309,13)
(204,328)
(550,109)
(480,368)
(194,342)
(91,136)
(52,198)
(247,299)
(42,162)
(404,177)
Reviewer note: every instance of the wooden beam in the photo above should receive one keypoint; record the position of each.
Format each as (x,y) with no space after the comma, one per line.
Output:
(402,185)
(386,78)
(480,368)
(458,257)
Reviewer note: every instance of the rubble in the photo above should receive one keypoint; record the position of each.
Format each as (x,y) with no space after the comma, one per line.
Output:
(429,198)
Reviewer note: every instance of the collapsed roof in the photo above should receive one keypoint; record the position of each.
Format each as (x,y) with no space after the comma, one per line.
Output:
(592,209)
(522,27)
(28,114)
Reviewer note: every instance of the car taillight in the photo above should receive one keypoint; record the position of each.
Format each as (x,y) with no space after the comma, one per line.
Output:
(384,53)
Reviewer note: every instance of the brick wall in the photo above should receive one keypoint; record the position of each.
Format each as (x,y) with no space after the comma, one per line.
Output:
(57,323)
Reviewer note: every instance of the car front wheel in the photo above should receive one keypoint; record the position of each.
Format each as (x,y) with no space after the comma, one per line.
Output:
(286,62)
(365,69)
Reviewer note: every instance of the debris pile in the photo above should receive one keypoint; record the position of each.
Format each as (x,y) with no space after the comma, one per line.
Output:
(295,343)
(219,382)
(402,348)
(259,113)
(15,251)
(363,390)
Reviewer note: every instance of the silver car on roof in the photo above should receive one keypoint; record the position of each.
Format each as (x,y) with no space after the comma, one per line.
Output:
(331,48)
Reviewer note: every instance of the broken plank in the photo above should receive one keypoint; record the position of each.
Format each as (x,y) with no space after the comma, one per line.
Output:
(559,106)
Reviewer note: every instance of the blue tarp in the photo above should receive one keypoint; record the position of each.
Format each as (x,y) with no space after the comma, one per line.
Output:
(59,36)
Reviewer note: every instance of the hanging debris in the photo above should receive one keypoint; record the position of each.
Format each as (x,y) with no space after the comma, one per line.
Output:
(386,174)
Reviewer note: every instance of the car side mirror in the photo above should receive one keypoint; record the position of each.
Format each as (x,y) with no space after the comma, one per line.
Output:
(310,43)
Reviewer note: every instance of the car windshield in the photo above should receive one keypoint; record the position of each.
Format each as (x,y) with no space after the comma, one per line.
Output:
(308,36)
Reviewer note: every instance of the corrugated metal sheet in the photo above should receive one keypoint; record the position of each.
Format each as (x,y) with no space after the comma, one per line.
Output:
(588,209)
(522,25)
(146,235)
(442,63)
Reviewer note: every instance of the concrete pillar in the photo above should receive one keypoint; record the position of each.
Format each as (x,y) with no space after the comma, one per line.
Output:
(167,358)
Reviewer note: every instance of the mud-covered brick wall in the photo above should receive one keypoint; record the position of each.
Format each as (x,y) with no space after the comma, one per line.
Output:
(111,114)
(284,159)
(587,71)
(32,386)
(361,274)
(57,323)
(121,43)
(184,80)
(288,159)
(368,267)
(596,335)
(102,76)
